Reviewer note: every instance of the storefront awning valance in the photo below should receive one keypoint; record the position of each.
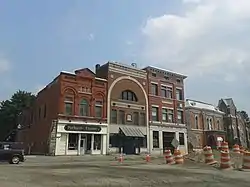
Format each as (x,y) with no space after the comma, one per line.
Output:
(132,132)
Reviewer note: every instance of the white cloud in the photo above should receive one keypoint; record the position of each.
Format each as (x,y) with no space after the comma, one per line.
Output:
(211,37)
(91,37)
(4,64)
(209,41)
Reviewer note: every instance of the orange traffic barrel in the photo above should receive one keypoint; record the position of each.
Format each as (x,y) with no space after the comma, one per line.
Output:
(169,157)
(209,157)
(224,146)
(178,157)
(242,150)
(246,160)
(225,160)
(236,148)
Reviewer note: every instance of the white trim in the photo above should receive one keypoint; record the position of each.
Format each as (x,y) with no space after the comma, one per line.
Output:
(157,106)
(109,102)
(80,122)
(179,88)
(154,82)
(129,71)
(165,107)
(100,79)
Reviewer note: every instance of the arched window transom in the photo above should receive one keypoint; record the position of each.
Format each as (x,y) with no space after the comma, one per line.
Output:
(129,96)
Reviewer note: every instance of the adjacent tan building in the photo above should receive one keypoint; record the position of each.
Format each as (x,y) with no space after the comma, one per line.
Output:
(205,124)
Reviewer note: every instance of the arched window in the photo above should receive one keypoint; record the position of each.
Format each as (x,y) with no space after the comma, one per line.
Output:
(129,96)
(84,108)
(210,124)
(196,122)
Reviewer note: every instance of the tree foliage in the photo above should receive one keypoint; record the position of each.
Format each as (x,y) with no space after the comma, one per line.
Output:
(10,111)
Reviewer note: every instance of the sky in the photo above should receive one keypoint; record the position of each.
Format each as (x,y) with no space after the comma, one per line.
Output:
(208,40)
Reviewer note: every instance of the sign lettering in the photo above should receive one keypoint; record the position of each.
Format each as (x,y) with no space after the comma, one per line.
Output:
(87,128)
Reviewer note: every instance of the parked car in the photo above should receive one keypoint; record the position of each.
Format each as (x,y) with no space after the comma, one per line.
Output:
(11,155)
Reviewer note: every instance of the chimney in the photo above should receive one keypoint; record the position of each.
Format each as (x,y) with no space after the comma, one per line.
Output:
(97,66)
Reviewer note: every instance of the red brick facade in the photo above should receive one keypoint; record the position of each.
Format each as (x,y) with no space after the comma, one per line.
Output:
(50,105)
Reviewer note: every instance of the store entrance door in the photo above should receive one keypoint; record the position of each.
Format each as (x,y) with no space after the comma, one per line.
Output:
(83,144)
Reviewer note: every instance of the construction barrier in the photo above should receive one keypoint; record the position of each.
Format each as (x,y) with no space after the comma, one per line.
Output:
(242,150)
(236,149)
(225,160)
(148,158)
(209,157)
(178,157)
(224,146)
(120,158)
(169,157)
(246,160)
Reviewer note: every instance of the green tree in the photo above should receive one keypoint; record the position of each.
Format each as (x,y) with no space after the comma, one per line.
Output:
(10,111)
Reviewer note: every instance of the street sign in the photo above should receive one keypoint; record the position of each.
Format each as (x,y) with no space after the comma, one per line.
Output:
(175,143)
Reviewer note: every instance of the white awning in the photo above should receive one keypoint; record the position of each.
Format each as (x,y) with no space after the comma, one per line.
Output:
(132,132)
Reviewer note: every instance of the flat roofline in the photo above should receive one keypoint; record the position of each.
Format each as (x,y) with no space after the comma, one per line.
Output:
(168,71)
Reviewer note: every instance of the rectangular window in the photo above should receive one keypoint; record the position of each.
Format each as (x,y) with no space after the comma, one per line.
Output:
(163,91)
(164,114)
(142,119)
(121,117)
(180,117)
(143,142)
(179,94)
(73,141)
(114,116)
(181,139)
(170,115)
(69,105)
(97,141)
(136,118)
(155,139)
(169,92)
(154,89)
(98,109)
(155,114)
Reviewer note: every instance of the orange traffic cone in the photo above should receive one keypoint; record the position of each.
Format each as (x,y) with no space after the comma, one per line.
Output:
(225,160)
(178,157)
(148,158)
(169,157)
(120,159)
(209,157)
(236,149)
(224,146)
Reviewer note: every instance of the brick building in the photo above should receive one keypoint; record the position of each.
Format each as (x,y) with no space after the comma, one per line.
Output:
(69,116)
(166,109)
(205,124)
(127,107)
(234,123)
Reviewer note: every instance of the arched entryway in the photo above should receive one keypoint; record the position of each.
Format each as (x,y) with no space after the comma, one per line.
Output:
(211,141)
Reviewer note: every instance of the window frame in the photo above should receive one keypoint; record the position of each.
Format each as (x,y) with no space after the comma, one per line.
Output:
(157,113)
(69,101)
(156,142)
(128,95)
(164,112)
(154,89)
(181,139)
(100,106)
(84,103)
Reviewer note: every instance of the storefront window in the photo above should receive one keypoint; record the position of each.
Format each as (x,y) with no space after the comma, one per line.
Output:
(97,142)
(143,142)
(181,139)
(73,142)
(155,139)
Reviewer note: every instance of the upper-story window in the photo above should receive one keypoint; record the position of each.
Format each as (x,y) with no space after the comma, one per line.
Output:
(154,89)
(180,117)
(84,108)
(163,91)
(129,96)
(196,122)
(218,125)
(179,94)
(98,109)
(68,105)
(210,124)
(155,114)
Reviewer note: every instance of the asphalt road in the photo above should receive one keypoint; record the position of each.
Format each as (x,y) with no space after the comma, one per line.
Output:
(105,171)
